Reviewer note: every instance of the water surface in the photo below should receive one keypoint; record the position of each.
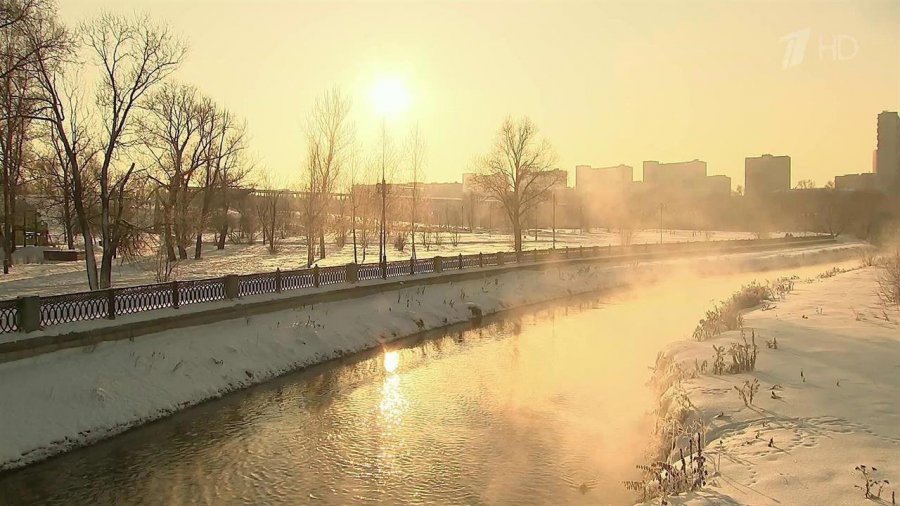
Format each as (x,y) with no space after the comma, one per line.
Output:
(546,405)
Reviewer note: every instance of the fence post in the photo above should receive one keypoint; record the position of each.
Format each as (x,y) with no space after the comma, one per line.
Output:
(438,264)
(175,298)
(460,260)
(352,272)
(111,304)
(29,313)
(278,280)
(480,259)
(316,276)
(232,286)
(412,266)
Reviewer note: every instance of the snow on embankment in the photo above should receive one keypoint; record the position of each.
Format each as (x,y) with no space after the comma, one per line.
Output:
(54,402)
(827,400)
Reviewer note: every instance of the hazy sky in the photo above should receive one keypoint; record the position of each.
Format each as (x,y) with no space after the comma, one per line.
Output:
(607,82)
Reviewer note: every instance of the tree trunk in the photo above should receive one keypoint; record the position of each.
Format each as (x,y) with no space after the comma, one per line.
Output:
(90,262)
(198,247)
(106,266)
(321,243)
(353,224)
(67,211)
(223,233)
(517,234)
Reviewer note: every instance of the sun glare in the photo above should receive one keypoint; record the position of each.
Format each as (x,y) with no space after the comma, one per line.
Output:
(390,97)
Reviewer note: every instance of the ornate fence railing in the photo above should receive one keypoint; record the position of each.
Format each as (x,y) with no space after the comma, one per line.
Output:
(26,314)
(8,313)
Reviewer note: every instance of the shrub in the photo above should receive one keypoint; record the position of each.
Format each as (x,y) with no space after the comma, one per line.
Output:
(662,479)
(719,360)
(726,315)
(743,356)
(889,279)
(869,258)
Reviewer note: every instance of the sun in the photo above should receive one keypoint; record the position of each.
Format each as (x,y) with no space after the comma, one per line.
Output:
(390,97)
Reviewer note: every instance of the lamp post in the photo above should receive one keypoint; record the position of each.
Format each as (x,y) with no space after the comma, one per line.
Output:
(553,196)
(383,195)
(660,222)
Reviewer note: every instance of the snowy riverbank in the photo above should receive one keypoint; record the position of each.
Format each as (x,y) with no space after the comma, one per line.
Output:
(70,398)
(827,400)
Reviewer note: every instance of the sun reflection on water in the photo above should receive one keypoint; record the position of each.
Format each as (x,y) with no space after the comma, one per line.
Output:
(391,361)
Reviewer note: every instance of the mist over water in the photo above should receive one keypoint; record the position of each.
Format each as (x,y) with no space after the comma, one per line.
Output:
(526,408)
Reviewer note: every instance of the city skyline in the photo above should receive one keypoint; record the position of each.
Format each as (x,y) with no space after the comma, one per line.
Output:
(634,85)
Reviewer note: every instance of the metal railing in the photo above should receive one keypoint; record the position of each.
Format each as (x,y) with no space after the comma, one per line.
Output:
(73,307)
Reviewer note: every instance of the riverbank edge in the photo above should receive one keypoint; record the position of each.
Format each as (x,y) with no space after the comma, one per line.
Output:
(611,279)
(677,374)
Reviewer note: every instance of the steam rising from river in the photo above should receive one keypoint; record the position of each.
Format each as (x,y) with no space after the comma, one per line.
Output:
(525,409)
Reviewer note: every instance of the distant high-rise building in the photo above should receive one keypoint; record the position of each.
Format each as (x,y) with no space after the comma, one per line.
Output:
(673,175)
(865,181)
(887,154)
(719,185)
(766,174)
(603,180)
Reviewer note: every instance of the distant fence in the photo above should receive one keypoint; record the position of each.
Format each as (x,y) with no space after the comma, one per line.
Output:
(27,314)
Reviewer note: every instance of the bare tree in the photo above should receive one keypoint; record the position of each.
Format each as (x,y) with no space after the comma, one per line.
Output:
(232,177)
(221,166)
(517,171)
(22,42)
(270,201)
(833,213)
(329,140)
(805,184)
(133,55)
(415,158)
(177,133)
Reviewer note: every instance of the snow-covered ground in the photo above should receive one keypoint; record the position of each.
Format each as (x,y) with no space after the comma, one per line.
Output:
(31,277)
(68,398)
(827,401)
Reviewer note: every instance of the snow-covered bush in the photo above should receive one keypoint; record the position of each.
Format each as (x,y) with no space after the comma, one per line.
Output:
(726,315)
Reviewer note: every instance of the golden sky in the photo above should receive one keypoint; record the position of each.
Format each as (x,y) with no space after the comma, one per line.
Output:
(607,82)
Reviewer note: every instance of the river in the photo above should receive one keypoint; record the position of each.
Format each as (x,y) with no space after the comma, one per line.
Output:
(542,405)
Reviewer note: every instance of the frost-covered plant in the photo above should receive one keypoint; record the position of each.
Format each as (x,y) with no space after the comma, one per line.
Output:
(699,367)
(743,356)
(663,479)
(727,316)
(889,279)
(869,258)
(782,286)
(830,273)
(869,482)
(719,360)
(748,391)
